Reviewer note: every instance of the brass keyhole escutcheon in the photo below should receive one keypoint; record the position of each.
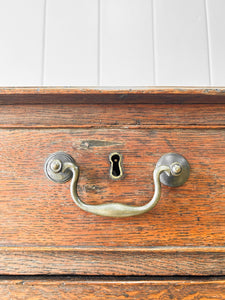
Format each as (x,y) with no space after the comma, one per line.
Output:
(116,171)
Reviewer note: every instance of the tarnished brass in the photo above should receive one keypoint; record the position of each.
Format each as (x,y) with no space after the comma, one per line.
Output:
(116,171)
(54,165)
(179,168)
(61,163)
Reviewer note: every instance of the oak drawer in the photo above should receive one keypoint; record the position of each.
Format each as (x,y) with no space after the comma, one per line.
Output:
(44,232)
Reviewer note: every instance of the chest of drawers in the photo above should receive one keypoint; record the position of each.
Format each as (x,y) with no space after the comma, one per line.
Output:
(50,247)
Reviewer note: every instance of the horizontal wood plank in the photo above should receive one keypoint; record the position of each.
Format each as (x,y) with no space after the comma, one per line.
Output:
(165,261)
(137,116)
(111,289)
(115,96)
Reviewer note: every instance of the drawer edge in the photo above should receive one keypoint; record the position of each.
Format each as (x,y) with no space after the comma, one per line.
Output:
(157,261)
(96,289)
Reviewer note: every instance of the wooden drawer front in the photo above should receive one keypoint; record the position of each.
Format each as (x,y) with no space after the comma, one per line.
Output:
(102,289)
(44,232)
(36,213)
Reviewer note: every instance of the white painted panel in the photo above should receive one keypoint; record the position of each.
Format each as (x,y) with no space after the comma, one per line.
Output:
(71,48)
(21,37)
(181,47)
(216,26)
(126,43)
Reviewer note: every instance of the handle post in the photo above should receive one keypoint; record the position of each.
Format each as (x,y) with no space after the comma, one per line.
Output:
(172,169)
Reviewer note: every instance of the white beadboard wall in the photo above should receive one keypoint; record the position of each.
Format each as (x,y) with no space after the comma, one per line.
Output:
(112,43)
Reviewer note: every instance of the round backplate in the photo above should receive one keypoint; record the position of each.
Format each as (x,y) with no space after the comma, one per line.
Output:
(168,160)
(59,176)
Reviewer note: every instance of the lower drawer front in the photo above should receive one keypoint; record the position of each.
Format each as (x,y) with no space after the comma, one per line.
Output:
(88,289)
(40,223)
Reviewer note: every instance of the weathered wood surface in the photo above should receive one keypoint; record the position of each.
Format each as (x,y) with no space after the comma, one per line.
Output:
(116,96)
(112,289)
(167,261)
(36,212)
(113,116)
(43,232)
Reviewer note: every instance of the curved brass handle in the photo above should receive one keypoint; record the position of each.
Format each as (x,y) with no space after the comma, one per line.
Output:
(172,169)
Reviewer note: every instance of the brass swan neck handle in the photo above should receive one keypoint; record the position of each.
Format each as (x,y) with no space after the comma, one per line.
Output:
(172,169)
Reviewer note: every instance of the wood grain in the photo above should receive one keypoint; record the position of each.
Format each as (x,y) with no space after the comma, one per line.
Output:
(113,116)
(167,261)
(35,212)
(43,232)
(108,289)
(115,96)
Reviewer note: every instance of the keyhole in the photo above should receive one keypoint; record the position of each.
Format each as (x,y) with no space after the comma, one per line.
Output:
(115,168)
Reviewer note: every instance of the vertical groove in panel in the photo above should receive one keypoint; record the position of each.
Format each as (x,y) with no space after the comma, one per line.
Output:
(126,43)
(99,45)
(153,42)
(216,28)
(208,41)
(43,43)
(181,43)
(71,43)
